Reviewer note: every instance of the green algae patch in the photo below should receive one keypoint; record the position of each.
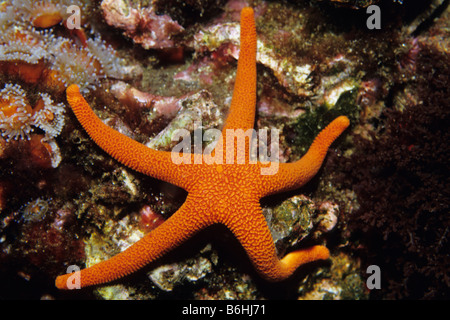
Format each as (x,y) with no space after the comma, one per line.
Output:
(302,131)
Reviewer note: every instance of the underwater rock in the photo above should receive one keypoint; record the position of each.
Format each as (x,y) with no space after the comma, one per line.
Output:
(195,110)
(198,112)
(43,245)
(137,100)
(342,281)
(150,219)
(169,276)
(296,78)
(191,11)
(297,218)
(117,187)
(328,217)
(143,25)
(228,284)
(291,221)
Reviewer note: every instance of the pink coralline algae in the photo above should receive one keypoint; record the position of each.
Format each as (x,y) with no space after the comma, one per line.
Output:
(329,216)
(136,99)
(407,62)
(144,26)
(150,219)
(189,112)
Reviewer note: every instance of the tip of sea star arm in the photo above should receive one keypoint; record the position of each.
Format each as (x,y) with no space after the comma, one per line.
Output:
(247,12)
(327,136)
(316,153)
(292,261)
(73,89)
(61,282)
(342,121)
(294,175)
(75,99)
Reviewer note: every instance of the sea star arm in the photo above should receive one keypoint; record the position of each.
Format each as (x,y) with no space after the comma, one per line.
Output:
(174,231)
(131,153)
(252,232)
(241,114)
(293,175)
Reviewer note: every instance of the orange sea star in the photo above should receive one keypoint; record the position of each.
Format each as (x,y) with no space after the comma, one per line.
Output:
(225,193)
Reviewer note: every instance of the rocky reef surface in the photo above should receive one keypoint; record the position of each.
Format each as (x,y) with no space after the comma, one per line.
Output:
(151,67)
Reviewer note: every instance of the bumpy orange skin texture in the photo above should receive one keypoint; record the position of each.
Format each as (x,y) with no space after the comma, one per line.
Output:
(217,193)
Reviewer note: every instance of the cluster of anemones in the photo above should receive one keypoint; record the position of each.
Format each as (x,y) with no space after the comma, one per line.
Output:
(36,56)
(143,25)
(54,61)
(37,62)
(15,113)
(84,66)
(18,118)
